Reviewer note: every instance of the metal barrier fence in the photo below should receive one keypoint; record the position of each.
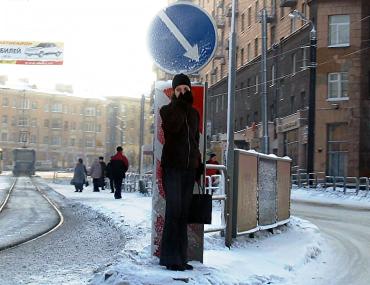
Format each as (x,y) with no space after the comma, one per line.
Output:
(220,193)
(316,179)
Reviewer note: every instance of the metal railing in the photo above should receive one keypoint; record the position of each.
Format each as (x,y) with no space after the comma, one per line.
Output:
(220,193)
(316,179)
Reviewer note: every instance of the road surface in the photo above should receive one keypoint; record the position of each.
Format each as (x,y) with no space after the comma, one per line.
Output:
(346,258)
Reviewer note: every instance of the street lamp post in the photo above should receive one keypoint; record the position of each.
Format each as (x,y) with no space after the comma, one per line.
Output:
(312,97)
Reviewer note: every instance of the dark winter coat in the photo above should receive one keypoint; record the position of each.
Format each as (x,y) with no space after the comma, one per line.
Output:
(180,124)
(79,174)
(118,166)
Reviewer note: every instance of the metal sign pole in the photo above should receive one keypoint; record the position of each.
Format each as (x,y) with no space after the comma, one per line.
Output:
(231,106)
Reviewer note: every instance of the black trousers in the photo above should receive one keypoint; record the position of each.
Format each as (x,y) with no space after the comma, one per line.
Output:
(118,187)
(178,186)
(111,184)
(96,183)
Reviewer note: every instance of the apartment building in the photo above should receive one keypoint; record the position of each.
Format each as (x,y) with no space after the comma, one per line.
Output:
(59,126)
(342,133)
(288,74)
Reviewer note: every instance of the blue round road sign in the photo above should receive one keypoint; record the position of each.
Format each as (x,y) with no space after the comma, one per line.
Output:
(182,38)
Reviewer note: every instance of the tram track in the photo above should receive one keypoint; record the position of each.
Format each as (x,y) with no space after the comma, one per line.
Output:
(39,219)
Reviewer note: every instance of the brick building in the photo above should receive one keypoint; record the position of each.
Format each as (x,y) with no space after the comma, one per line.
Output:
(288,74)
(59,126)
(342,132)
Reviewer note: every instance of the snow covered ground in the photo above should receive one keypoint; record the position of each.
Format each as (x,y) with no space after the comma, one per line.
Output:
(266,259)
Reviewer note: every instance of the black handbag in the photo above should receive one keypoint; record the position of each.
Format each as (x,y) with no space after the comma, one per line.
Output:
(200,211)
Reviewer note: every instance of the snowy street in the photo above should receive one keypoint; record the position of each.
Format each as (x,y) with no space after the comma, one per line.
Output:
(107,242)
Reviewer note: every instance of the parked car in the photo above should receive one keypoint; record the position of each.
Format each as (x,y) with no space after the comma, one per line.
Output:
(43,49)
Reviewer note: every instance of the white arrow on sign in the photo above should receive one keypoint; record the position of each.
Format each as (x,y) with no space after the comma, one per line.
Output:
(191,51)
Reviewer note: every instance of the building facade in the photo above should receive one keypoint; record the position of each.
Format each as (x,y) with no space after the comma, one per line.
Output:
(59,126)
(342,133)
(288,74)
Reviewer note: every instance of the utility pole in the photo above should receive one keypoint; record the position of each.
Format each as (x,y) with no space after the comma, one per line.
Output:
(141,135)
(312,102)
(265,140)
(230,109)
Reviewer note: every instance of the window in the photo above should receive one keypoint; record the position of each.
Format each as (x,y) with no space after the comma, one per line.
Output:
(303,99)
(217,104)
(24,103)
(23,122)
(339,30)
(242,23)
(248,86)
(272,35)
(293,25)
(304,58)
(249,16)
(73,126)
(5,102)
(89,142)
(292,104)
(273,75)
(90,111)
(4,137)
(337,156)
(89,127)
(56,140)
(57,107)
(66,125)
(56,123)
(33,139)
(338,85)
(4,119)
(34,122)
(34,105)
(223,97)
(249,52)
(294,63)
(257,84)
(46,108)
(282,12)
(242,57)
(255,47)
(72,142)
(256,6)
(46,123)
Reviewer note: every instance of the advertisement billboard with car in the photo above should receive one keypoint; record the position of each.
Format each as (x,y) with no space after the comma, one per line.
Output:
(32,53)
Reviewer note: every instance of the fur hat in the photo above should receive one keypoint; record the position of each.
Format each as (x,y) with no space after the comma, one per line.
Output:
(180,79)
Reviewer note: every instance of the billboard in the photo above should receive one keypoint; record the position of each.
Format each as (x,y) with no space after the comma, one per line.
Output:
(31,53)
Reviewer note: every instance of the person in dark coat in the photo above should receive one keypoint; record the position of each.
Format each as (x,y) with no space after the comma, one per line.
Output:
(180,161)
(119,166)
(79,175)
(103,171)
(108,173)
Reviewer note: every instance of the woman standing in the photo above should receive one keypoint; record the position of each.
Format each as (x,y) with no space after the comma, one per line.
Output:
(79,175)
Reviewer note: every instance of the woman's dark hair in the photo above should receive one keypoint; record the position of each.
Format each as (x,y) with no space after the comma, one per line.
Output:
(80,160)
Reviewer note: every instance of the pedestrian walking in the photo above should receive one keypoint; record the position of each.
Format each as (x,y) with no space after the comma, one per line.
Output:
(79,175)
(108,173)
(103,171)
(118,168)
(180,162)
(95,172)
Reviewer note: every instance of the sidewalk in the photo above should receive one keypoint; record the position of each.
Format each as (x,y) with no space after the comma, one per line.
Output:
(266,259)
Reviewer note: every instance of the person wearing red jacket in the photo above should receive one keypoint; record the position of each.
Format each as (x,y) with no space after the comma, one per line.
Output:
(118,168)
(210,172)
